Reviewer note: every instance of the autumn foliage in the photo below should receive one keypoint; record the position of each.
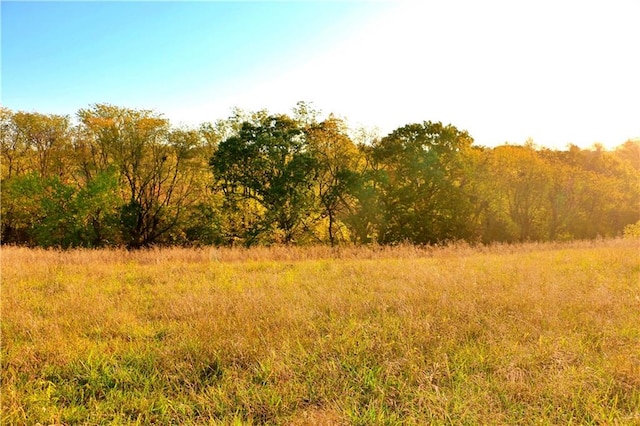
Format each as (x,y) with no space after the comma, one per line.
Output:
(123,177)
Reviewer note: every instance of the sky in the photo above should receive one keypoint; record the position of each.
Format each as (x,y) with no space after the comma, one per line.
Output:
(554,71)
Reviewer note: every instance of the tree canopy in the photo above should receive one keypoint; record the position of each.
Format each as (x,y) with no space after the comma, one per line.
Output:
(116,176)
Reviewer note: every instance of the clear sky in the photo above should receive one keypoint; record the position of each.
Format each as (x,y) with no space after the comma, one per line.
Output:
(558,71)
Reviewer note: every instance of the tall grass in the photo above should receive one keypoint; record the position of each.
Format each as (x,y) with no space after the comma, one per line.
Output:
(540,333)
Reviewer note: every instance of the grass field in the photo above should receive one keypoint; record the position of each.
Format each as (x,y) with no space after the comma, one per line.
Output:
(531,334)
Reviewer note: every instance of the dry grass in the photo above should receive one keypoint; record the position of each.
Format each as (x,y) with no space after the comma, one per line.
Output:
(542,333)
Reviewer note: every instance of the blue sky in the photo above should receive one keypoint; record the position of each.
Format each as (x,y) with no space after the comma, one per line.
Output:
(59,56)
(557,71)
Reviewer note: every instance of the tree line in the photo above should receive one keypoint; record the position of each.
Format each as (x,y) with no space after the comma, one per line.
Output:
(125,177)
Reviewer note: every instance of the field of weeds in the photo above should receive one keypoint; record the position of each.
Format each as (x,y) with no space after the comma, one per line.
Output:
(529,334)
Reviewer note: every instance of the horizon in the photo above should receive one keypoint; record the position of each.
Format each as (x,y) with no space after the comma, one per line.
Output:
(557,74)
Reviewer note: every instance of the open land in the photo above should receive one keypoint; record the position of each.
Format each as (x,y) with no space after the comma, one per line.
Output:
(507,334)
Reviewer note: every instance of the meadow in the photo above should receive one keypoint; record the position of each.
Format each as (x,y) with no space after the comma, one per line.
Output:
(506,334)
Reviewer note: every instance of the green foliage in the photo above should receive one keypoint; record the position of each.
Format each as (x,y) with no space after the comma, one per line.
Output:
(125,177)
(21,208)
(267,163)
(50,213)
(97,204)
(204,225)
(420,179)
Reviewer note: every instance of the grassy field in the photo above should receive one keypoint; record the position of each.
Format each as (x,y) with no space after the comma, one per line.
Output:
(531,334)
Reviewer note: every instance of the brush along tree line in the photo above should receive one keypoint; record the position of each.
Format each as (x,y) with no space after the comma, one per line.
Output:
(125,177)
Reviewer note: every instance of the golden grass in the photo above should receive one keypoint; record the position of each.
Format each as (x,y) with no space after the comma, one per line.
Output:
(537,333)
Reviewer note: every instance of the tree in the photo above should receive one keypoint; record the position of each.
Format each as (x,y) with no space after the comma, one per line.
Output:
(337,160)
(48,138)
(21,208)
(12,147)
(421,183)
(36,162)
(630,152)
(125,177)
(267,163)
(153,163)
(519,178)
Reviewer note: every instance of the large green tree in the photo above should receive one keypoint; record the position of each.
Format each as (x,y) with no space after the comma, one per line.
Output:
(421,183)
(268,164)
